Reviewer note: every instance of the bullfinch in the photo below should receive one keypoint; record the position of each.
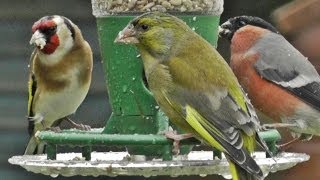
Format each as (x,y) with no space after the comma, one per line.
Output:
(279,80)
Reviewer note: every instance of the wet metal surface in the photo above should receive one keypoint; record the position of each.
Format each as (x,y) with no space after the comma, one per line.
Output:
(121,163)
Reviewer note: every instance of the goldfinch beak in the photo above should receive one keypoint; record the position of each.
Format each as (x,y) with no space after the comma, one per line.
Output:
(127,36)
(38,39)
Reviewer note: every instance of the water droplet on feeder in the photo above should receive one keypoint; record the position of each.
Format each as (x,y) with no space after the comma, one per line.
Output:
(124,88)
(202,175)
(173,175)
(227,176)
(132,128)
(133,78)
(274,168)
(54,175)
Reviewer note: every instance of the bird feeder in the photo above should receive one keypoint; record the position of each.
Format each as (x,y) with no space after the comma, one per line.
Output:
(136,121)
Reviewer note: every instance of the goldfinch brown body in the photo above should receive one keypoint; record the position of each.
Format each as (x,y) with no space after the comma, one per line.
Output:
(60,76)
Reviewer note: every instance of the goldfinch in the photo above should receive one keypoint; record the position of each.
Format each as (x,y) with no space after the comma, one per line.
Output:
(60,75)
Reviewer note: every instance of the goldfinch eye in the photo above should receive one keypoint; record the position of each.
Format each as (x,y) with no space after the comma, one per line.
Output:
(52,28)
(144,27)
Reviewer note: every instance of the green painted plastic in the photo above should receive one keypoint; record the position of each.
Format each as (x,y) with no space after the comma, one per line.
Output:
(271,137)
(51,150)
(83,139)
(96,138)
(86,152)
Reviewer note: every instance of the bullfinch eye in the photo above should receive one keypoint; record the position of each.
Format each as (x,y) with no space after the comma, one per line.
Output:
(242,23)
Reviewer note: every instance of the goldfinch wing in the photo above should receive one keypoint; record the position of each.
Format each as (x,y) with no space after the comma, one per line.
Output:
(32,86)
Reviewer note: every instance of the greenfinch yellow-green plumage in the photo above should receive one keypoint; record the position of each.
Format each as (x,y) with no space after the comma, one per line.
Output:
(196,89)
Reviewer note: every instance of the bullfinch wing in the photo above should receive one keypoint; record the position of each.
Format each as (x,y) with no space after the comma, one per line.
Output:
(285,66)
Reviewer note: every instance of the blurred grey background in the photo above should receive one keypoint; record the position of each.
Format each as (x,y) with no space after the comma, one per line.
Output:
(16,19)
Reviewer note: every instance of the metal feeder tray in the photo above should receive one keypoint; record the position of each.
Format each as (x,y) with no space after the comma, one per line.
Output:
(200,163)
(90,163)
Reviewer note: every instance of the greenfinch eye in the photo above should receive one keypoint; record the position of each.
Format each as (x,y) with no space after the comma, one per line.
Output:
(144,27)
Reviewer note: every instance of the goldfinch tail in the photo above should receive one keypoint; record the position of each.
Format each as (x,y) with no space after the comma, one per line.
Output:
(33,147)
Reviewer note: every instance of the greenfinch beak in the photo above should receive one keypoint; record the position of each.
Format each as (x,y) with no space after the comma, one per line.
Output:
(127,36)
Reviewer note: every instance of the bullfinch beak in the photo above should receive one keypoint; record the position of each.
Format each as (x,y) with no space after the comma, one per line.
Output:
(225,31)
(127,36)
(38,39)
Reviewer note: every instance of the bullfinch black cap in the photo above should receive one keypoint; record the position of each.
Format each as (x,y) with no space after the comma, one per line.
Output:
(228,28)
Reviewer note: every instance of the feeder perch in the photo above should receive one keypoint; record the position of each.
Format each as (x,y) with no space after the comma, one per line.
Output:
(136,121)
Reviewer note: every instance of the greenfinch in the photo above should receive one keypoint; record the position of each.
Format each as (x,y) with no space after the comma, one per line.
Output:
(60,75)
(196,89)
